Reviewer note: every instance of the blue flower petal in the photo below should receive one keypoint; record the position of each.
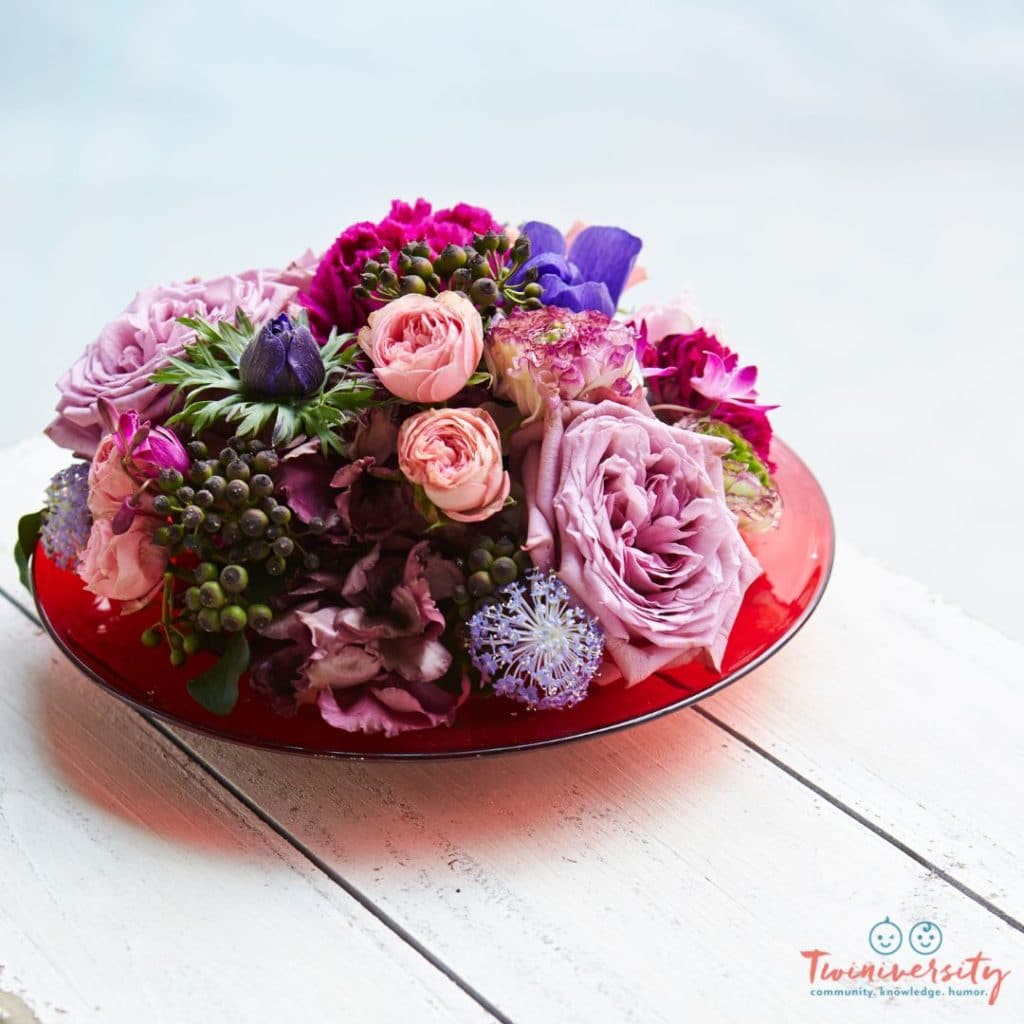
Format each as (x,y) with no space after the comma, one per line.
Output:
(608,255)
(577,297)
(543,238)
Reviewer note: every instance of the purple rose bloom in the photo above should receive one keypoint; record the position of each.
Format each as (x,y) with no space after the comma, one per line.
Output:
(131,348)
(589,274)
(369,655)
(630,513)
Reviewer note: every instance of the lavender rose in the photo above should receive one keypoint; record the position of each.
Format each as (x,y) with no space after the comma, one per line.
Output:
(118,364)
(630,513)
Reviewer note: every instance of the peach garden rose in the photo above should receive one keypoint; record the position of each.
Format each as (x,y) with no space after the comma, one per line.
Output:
(455,456)
(424,348)
(125,566)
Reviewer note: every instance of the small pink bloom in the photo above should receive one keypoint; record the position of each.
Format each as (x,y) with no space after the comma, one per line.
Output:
(720,384)
(149,449)
(110,484)
(123,567)
(674,318)
(424,349)
(455,456)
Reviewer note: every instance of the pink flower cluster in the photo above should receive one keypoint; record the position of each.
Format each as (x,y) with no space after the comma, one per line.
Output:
(121,561)
(508,500)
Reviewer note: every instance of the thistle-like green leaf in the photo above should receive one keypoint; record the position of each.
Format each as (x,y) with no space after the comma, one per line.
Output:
(208,388)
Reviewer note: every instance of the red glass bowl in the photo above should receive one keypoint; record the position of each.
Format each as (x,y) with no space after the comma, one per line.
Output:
(796,557)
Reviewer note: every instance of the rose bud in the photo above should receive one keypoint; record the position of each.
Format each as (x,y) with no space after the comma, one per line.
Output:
(283,361)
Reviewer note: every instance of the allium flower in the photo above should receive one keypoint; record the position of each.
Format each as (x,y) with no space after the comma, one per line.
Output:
(282,361)
(699,373)
(589,273)
(67,520)
(535,644)
(329,297)
(549,352)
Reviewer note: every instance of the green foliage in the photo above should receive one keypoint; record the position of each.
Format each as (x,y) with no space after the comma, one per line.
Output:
(206,378)
(741,455)
(217,688)
(28,536)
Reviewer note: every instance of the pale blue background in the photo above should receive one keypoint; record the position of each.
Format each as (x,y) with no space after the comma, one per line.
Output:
(839,184)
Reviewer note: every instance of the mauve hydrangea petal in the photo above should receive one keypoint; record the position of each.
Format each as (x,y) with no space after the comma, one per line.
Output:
(607,255)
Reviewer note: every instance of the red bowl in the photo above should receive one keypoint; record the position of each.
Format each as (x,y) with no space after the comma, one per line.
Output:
(796,558)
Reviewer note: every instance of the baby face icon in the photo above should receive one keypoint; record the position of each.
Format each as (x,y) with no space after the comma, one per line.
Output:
(885,937)
(925,937)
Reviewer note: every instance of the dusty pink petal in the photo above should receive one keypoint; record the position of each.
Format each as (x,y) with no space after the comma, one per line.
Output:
(391,710)
(631,514)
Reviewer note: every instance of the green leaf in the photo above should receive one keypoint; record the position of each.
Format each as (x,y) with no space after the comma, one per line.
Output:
(480,377)
(217,688)
(28,536)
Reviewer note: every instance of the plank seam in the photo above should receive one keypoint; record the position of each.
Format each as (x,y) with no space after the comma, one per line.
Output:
(352,891)
(867,823)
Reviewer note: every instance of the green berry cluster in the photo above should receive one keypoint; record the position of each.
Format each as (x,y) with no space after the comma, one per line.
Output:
(480,270)
(227,516)
(490,564)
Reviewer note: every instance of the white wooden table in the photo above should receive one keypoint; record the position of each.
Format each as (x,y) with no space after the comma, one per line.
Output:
(673,872)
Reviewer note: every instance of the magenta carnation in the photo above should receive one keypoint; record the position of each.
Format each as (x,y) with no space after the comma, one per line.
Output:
(329,296)
(556,353)
(700,373)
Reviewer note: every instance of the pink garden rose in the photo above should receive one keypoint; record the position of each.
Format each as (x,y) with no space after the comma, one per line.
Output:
(630,513)
(424,349)
(110,484)
(125,566)
(118,364)
(455,456)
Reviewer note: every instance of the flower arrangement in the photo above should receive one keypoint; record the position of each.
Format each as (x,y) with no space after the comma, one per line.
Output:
(439,461)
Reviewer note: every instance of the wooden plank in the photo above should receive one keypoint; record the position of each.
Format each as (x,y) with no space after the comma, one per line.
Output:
(647,876)
(134,887)
(909,712)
